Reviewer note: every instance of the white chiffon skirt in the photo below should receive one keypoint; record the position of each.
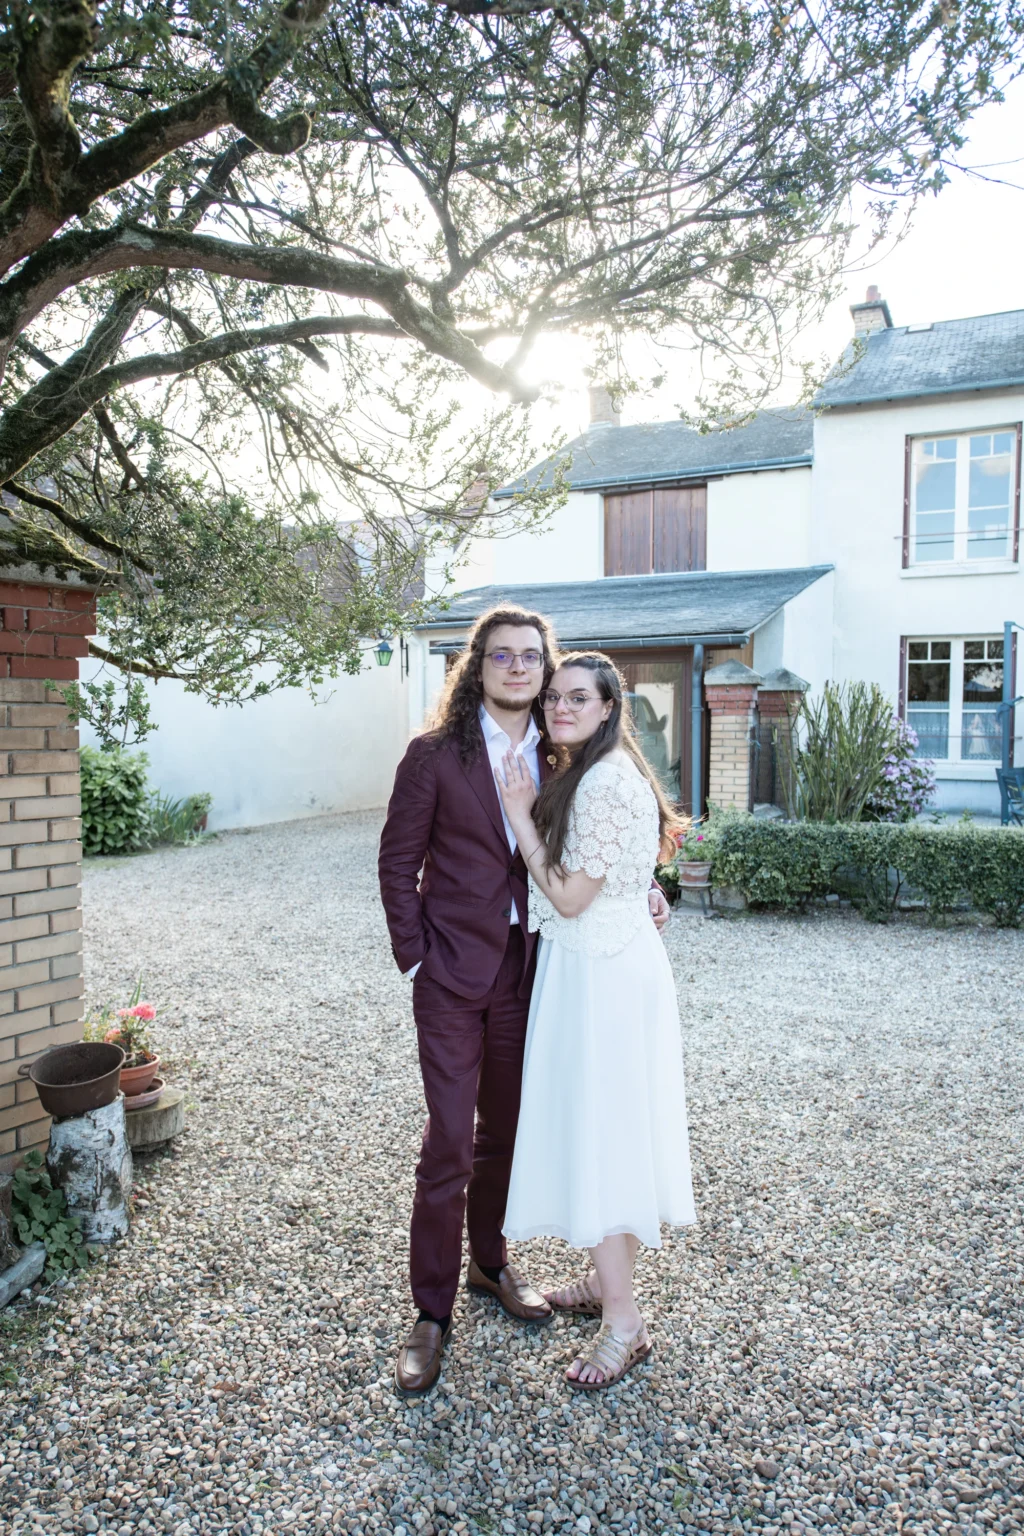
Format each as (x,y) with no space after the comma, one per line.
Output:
(602,1144)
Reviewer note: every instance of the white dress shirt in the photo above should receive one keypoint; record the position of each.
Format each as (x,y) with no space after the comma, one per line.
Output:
(498,742)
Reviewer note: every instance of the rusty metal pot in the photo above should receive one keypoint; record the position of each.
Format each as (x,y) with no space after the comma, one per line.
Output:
(72,1079)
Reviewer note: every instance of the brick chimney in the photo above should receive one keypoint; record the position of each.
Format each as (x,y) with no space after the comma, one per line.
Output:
(872,315)
(604,408)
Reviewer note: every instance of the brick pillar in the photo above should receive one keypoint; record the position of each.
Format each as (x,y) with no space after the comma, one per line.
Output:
(42,636)
(731,694)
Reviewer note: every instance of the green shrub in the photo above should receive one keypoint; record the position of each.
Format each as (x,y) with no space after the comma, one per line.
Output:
(115,801)
(848,734)
(178,821)
(785,864)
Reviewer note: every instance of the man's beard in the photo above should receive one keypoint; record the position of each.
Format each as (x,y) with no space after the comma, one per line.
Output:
(513,705)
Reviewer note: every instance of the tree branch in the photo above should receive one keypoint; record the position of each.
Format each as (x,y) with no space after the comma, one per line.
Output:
(52,40)
(66,393)
(48,195)
(82,530)
(134,666)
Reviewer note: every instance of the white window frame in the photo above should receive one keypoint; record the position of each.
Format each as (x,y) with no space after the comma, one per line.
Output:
(961,562)
(981,767)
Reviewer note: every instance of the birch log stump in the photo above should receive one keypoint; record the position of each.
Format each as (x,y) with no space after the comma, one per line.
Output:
(91,1160)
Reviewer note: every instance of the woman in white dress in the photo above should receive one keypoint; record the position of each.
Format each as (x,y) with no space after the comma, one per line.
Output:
(602,1155)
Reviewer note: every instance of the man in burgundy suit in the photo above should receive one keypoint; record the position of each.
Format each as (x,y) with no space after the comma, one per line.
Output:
(459,929)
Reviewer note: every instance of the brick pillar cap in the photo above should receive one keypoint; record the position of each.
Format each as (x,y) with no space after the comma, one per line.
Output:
(782,680)
(731,674)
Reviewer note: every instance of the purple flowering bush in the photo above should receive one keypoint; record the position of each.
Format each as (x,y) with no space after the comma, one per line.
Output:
(908,782)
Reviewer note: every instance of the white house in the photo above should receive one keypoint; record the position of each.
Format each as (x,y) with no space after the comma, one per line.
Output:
(875,537)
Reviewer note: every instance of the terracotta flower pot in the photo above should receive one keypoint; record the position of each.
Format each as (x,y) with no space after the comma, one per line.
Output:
(135,1080)
(693,872)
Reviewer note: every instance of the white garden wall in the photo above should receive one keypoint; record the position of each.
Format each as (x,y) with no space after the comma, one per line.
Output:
(284,756)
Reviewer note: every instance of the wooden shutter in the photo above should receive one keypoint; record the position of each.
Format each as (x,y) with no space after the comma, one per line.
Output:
(901,690)
(660,530)
(1016,508)
(627,534)
(1013,688)
(908,448)
(680,528)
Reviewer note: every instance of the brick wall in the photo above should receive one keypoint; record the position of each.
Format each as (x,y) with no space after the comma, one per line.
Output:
(732,719)
(43,634)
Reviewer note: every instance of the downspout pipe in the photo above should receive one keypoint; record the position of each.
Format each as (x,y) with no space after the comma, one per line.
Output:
(696,731)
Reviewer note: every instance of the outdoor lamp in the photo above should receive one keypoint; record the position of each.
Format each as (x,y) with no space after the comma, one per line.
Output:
(384,654)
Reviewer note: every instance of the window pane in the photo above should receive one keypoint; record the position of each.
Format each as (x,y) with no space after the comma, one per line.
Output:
(940,650)
(983,682)
(988,500)
(934,536)
(928,683)
(932,728)
(980,735)
(936,478)
(995,649)
(934,499)
(974,650)
(917,650)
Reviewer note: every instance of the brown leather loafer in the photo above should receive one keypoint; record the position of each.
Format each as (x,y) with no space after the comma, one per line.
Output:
(518,1297)
(418,1366)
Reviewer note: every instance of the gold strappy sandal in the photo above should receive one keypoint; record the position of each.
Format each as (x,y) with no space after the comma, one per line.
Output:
(613,1356)
(581,1299)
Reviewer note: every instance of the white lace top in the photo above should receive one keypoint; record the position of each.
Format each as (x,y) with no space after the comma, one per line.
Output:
(612,833)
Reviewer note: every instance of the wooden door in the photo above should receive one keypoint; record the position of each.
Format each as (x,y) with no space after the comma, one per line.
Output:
(656,531)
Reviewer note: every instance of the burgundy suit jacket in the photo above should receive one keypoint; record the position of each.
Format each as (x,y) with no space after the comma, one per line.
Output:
(444,819)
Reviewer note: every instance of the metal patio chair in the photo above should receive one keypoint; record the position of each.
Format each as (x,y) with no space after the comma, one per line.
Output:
(1011,792)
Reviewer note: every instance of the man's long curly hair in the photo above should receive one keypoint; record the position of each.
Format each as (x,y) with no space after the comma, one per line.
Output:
(456,717)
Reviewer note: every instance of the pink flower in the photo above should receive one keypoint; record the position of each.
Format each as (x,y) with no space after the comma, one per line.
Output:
(144,1011)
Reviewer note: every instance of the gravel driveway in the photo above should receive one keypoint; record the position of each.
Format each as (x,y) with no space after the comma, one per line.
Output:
(838,1343)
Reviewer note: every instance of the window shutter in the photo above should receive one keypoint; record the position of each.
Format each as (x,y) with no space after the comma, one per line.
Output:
(1016,509)
(907,465)
(1013,672)
(680,528)
(628,534)
(901,695)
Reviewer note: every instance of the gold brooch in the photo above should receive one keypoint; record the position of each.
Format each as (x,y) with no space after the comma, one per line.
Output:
(552,759)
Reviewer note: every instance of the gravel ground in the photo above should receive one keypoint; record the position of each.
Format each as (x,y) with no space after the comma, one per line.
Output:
(838,1344)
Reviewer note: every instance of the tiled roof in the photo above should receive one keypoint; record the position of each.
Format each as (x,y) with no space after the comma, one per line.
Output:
(982,352)
(668,450)
(638,608)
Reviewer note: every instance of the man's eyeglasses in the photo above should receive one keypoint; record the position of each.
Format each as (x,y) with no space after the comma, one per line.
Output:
(531,660)
(575,700)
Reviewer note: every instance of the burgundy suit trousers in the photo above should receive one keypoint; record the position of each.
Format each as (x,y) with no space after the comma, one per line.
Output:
(471,1058)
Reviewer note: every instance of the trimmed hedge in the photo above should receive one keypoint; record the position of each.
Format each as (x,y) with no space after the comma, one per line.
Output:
(784,864)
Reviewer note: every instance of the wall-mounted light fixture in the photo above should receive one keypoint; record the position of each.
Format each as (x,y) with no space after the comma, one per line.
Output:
(384,653)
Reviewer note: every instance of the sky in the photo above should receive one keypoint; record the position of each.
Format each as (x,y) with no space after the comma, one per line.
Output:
(963,254)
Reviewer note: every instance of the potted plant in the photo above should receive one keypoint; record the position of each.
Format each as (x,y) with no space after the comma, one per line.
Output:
(693,856)
(129,1028)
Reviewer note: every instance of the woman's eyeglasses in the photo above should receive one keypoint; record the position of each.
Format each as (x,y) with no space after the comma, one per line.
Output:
(531,660)
(575,700)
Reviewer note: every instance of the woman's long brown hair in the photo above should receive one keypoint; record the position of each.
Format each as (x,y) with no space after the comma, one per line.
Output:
(554,803)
